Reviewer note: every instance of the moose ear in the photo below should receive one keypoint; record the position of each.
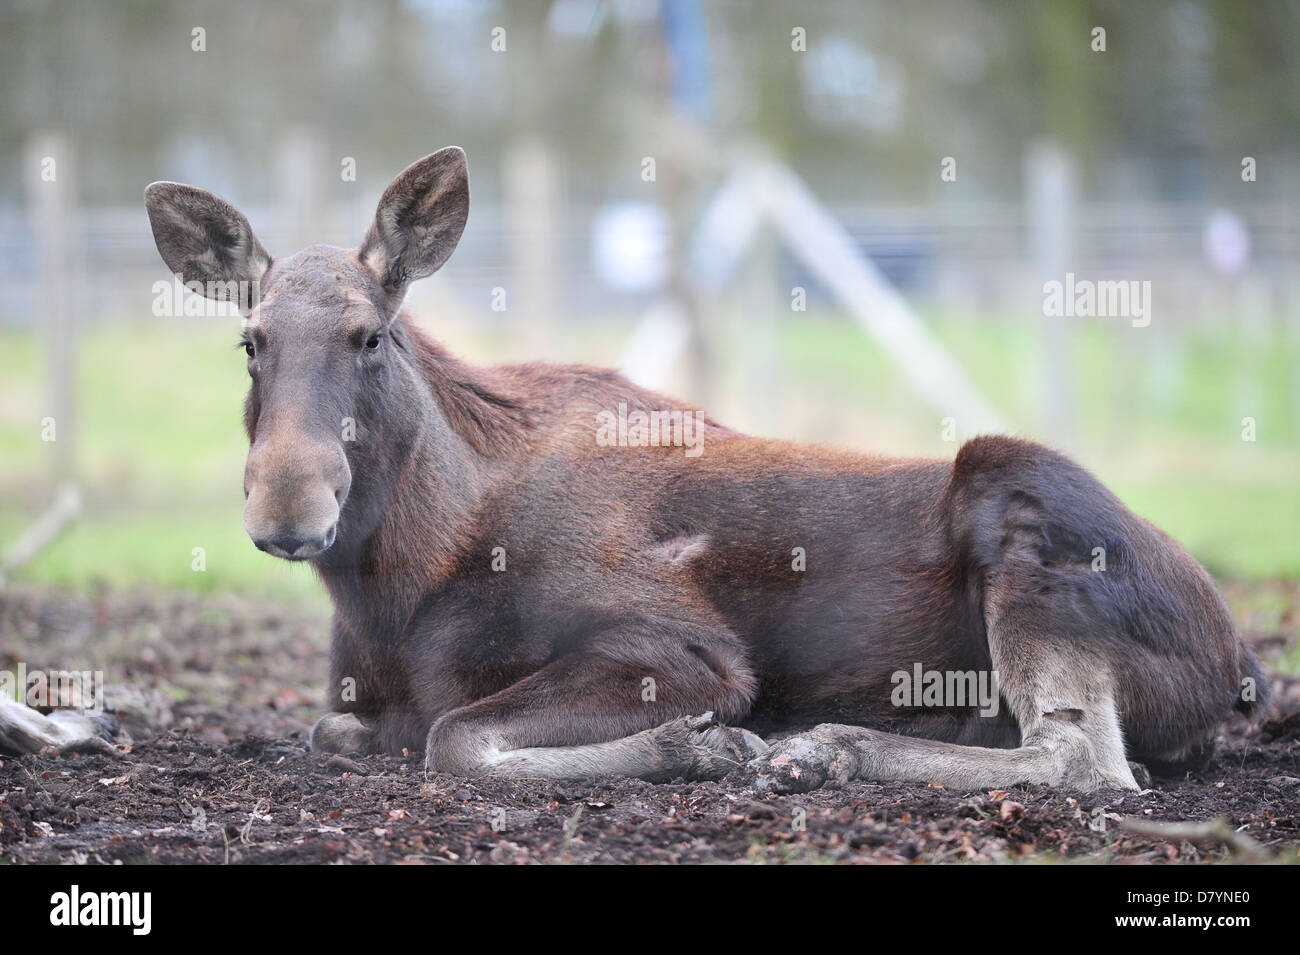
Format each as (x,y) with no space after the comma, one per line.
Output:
(420,218)
(205,239)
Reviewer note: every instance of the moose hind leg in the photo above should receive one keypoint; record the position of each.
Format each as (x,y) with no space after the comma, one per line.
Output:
(1069,747)
(1061,696)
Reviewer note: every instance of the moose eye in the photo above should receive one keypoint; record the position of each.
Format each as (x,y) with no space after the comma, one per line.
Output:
(372,341)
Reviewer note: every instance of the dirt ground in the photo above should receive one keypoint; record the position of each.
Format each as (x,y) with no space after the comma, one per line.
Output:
(232,779)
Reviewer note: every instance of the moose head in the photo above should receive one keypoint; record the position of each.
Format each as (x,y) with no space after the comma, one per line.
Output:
(331,367)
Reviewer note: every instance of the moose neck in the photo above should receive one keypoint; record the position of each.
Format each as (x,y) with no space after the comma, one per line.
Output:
(467,434)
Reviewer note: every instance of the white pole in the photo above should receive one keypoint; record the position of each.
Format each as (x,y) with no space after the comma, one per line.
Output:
(828,251)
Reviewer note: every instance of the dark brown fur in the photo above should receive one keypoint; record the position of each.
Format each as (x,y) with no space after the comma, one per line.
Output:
(898,555)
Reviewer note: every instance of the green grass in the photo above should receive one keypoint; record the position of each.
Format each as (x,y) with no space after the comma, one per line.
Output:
(135,548)
(1236,527)
(160,448)
(1158,419)
(161,443)
(1130,387)
(158,408)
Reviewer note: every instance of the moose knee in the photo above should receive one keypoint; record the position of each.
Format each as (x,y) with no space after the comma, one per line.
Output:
(458,747)
(341,733)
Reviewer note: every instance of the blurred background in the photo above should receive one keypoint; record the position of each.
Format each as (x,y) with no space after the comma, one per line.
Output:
(828,222)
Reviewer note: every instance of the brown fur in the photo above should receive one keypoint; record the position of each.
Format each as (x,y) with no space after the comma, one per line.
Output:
(628,568)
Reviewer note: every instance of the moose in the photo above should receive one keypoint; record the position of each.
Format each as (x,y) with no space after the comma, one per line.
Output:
(513,596)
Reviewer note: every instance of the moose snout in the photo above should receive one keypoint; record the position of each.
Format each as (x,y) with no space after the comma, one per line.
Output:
(294,496)
(297,548)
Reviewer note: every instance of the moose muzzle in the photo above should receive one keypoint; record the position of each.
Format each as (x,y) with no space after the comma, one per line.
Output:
(294,491)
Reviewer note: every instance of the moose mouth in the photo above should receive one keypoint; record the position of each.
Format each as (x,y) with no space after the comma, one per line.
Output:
(288,547)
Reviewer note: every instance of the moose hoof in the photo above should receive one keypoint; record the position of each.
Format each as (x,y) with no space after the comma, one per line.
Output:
(699,747)
(1141,775)
(799,764)
(341,733)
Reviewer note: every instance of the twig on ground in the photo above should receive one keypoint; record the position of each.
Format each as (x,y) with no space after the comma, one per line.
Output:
(1218,831)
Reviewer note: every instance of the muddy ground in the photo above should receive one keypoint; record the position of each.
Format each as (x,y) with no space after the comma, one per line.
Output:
(232,779)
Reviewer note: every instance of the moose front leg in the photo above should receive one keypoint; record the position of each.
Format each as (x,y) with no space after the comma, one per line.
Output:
(588,716)
(341,730)
(689,747)
(342,733)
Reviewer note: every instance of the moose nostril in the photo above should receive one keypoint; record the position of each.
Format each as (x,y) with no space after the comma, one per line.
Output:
(293,546)
(286,544)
